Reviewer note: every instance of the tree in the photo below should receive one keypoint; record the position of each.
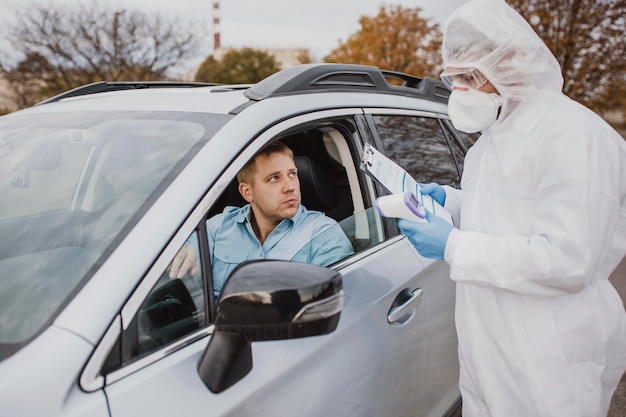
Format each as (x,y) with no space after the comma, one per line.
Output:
(67,46)
(587,38)
(397,39)
(304,57)
(238,66)
(27,81)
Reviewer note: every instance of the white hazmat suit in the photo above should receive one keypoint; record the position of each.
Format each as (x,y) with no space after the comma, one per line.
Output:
(542,211)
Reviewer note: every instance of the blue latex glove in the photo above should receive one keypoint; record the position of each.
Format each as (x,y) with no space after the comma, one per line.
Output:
(435,191)
(428,238)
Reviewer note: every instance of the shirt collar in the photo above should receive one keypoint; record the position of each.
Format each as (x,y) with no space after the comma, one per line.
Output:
(245,214)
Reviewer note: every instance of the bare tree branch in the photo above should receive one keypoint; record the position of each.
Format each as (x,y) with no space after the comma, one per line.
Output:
(89,42)
(587,38)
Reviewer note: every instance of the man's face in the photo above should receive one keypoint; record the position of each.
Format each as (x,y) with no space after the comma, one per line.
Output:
(274,191)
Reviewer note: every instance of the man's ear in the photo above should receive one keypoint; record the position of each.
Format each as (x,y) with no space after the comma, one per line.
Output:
(246,191)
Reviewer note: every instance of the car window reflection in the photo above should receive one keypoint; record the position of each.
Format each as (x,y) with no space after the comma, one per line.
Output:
(363,229)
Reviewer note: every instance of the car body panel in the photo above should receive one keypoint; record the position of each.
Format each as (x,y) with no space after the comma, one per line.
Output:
(49,366)
(287,379)
(367,366)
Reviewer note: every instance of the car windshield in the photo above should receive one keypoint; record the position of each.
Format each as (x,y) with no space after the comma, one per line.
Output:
(72,185)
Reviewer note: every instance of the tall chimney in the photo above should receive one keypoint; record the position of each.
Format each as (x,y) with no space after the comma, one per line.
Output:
(216,25)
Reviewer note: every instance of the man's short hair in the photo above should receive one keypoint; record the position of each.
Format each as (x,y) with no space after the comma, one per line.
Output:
(247,172)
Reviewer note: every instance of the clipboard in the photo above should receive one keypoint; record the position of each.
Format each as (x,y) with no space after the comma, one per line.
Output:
(393,178)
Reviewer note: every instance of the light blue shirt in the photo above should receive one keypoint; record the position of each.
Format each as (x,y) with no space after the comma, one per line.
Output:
(232,241)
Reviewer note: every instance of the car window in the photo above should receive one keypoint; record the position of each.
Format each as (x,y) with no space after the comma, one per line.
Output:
(174,308)
(363,229)
(324,154)
(420,146)
(72,185)
(468,139)
(42,166)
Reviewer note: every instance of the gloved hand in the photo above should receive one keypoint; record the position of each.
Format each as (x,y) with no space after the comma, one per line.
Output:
(435,191)
(428,238)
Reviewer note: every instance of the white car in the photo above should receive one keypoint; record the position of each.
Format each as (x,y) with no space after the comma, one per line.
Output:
(102,185)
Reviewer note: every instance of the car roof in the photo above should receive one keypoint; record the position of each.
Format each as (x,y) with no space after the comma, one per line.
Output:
(357,84)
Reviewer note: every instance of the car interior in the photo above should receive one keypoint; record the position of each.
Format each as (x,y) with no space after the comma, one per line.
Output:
(329,182)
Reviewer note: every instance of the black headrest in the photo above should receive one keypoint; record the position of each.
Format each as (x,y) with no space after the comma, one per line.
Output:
(316,188)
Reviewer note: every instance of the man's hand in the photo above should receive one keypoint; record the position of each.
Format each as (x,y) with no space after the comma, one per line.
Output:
(185,261)
(428,238)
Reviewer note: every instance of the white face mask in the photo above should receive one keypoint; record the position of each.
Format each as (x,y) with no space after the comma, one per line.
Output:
(472,110)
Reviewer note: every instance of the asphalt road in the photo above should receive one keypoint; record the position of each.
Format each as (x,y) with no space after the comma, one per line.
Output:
(618,405)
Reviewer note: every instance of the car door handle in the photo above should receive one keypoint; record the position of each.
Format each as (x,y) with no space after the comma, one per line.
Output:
(404,305)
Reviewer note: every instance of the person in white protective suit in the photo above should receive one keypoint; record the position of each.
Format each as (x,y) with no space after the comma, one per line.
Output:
(541,219)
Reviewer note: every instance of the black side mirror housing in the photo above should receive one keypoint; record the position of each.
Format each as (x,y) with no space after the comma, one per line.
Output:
(268,300)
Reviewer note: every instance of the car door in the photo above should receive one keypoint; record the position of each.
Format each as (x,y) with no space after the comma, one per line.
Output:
(425,147)
(374,363)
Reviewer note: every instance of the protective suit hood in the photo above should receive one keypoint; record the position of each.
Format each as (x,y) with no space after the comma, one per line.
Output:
(492,37)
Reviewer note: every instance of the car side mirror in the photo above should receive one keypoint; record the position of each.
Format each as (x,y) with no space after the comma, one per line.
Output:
(268,300)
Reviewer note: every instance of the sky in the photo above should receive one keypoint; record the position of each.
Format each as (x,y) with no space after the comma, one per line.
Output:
(318,25)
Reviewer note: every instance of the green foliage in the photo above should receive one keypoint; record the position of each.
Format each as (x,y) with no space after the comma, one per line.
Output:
(208,70)
(238,66)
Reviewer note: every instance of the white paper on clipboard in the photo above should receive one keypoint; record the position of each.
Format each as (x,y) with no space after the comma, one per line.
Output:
(396,180)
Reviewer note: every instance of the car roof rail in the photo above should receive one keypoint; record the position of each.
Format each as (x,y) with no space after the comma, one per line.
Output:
(324,77)
(104,86)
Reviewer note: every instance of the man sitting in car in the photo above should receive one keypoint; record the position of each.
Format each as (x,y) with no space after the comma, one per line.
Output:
(273,225)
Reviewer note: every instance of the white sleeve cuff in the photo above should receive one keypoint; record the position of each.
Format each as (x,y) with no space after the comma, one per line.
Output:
(448,253)
(453,203)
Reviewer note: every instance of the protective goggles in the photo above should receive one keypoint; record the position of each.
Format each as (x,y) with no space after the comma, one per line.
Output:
(470,77)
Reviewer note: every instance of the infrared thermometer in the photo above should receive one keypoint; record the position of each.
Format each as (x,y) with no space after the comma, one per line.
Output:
(402,206)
